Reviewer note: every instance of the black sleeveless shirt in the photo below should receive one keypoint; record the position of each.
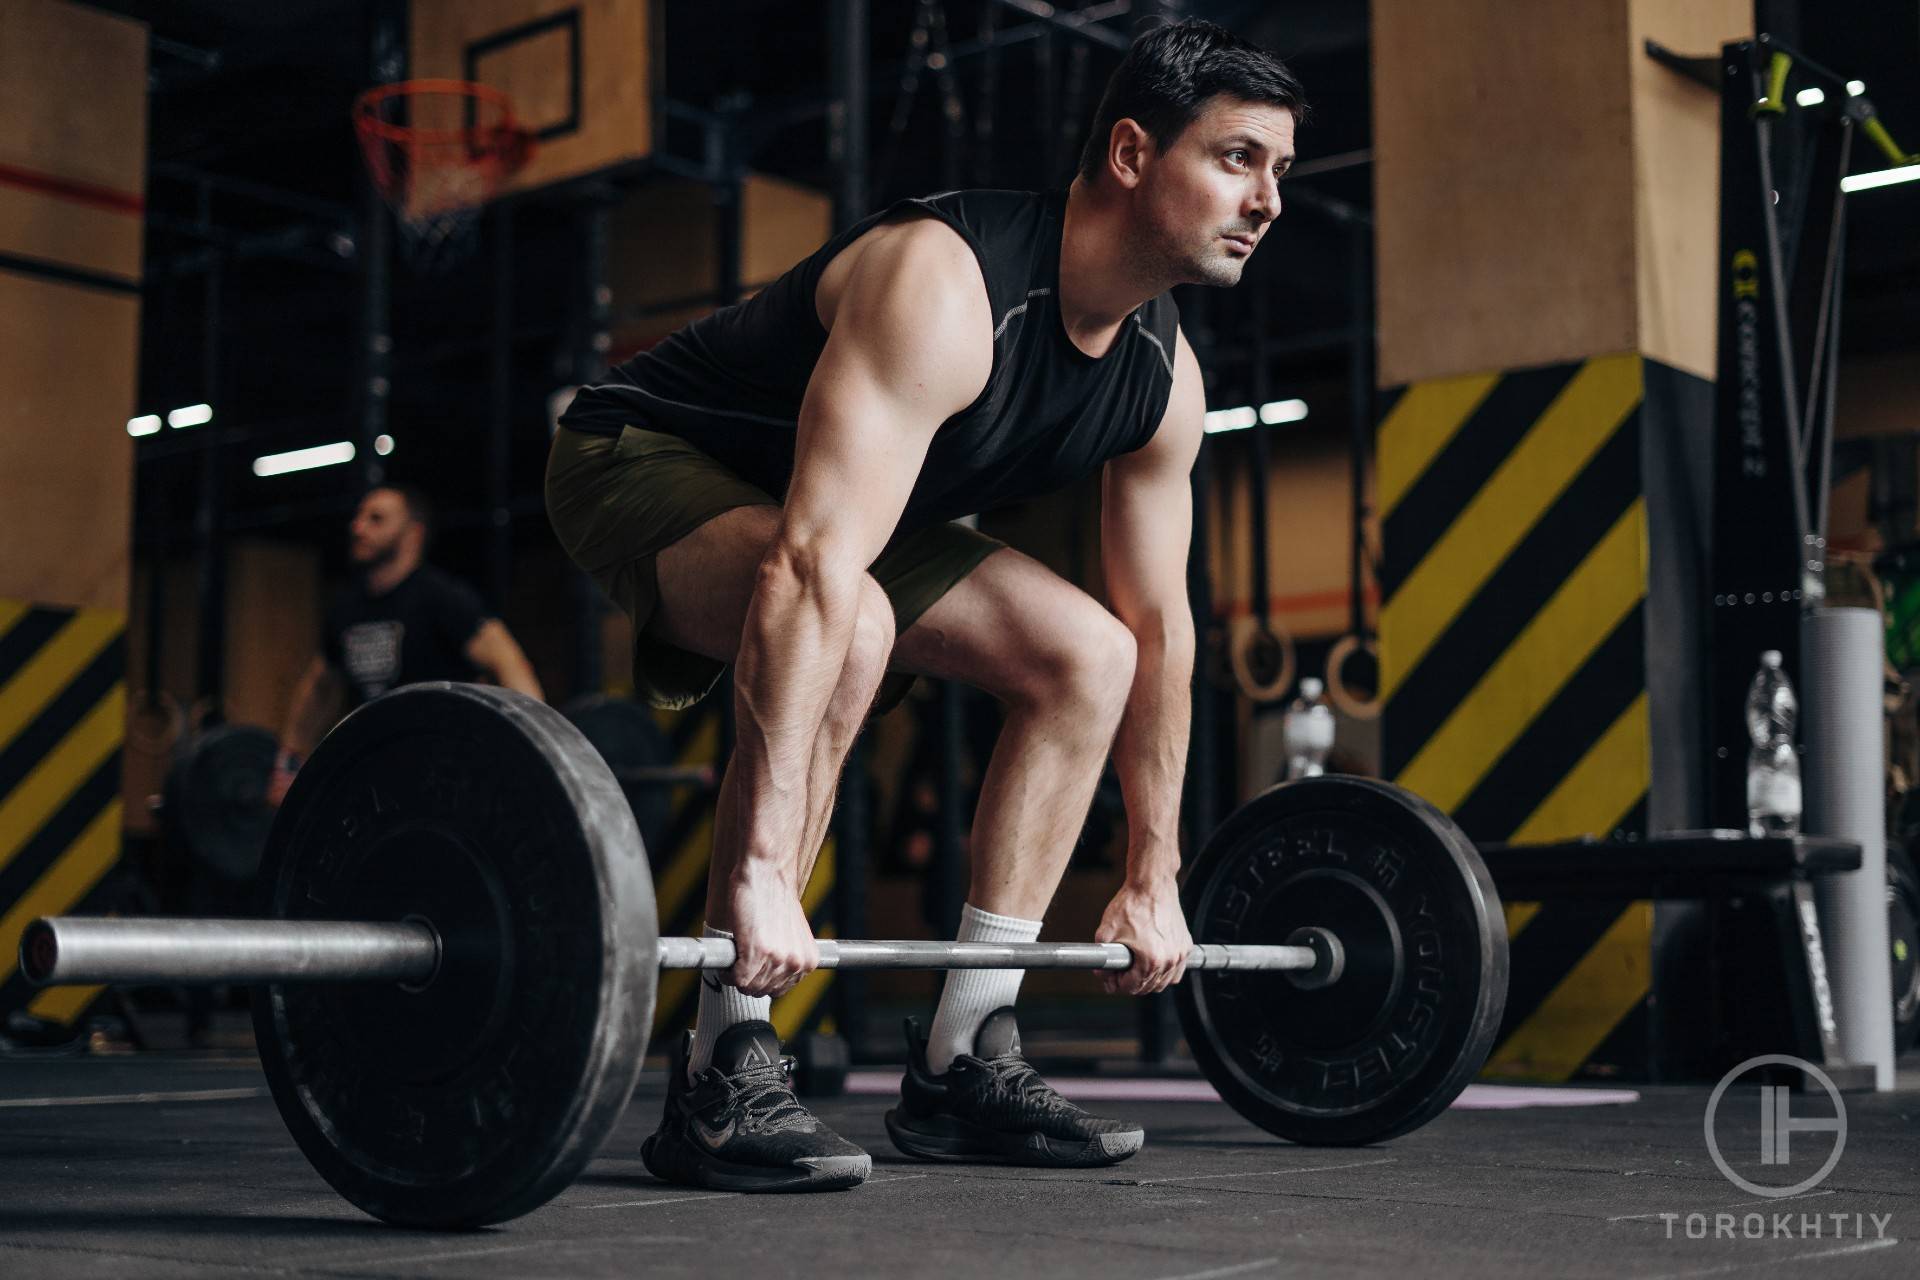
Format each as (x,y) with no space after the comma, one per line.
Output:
(731,382)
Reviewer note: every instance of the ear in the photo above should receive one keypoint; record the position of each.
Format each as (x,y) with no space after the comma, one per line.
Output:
(1127,148)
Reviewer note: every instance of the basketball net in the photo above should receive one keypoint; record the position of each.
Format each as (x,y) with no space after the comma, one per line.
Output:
(437,151)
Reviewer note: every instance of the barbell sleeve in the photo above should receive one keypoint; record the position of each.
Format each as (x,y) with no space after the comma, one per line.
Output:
(72,950)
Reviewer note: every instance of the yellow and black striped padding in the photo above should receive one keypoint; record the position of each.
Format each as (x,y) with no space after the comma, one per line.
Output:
(1512,654)
(680,889)
(62,722)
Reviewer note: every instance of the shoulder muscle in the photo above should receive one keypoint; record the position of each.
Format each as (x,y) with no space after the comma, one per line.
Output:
(913,323)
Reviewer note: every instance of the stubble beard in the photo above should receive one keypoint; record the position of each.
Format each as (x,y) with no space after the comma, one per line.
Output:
(1171,260)
(1221,270)
(379,558)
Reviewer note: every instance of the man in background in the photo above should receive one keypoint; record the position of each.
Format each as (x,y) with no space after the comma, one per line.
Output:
(399,622)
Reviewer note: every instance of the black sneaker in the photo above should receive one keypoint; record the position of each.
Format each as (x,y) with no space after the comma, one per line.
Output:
(992,1105)
(739,1127)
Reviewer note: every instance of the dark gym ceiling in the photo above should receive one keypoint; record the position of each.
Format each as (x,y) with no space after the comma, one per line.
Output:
(261,93)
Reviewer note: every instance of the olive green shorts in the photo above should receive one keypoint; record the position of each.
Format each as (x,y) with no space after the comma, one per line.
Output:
(617,502)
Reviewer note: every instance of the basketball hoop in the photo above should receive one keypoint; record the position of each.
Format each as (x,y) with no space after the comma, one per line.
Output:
(438,150)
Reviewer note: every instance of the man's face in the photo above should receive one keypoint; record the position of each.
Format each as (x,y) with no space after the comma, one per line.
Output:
(378,528)
(1210,198)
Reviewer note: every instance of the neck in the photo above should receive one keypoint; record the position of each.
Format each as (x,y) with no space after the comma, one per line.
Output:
(1102,280)
(388,574)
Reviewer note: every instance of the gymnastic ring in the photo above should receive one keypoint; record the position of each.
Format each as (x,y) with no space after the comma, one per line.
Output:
(154,722)
(1254,649)
(1337,693)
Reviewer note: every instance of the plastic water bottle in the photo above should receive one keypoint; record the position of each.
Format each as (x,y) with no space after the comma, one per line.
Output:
(1773,767)
(1306,731)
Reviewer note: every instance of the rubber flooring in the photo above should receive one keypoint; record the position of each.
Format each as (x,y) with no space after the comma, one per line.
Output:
(161,1166)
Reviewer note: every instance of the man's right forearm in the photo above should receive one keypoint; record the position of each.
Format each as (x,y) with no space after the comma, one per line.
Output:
(307,718)
(303,728)
(799,629)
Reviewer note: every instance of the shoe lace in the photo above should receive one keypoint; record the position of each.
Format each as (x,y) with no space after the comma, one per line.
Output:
(1012,1079)
(766,1099)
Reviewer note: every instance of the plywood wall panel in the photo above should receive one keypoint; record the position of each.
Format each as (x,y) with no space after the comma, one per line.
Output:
(665,247)
(73,94)
(67,365)
(1676,177)
(72,170)
(92,235)
(1309,520)
(1503,184)
(274,600)
(1544,190)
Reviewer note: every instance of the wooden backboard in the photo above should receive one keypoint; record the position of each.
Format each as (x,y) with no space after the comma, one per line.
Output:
(578,73)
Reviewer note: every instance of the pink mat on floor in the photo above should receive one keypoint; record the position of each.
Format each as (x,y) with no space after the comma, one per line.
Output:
(1478,1097)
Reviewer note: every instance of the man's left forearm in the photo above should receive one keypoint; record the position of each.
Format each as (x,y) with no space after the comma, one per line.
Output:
(517,673)
(1150,752)
(494,651)
(526,682)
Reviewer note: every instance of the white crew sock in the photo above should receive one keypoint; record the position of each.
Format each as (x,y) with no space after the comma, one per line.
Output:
(721,1006)
(971,994)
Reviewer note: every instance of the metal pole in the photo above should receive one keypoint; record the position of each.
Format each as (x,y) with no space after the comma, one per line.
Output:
(209,519)
(1078,25)
(387,59)
(156,593)
(500,417)
(1841,657)
(988,98)
(1359,414)
(90,949)
(1825,373)
(853,850)
(1260,595)
(848,39)
(1046,114)
(947,885)
(592,326)
(1203,786)
(728,196)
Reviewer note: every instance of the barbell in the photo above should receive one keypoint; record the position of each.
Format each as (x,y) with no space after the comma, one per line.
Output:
(78,950)
(459,957)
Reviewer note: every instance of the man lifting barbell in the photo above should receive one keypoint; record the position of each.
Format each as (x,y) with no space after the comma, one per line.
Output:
(774,487)
(458,955)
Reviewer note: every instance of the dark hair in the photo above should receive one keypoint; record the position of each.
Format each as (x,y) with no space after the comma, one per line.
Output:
(1170,72)
(419,506)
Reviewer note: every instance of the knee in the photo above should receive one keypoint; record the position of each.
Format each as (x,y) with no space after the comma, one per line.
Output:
(1091,674)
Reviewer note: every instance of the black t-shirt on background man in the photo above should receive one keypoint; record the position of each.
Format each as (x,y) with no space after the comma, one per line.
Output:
(417,631)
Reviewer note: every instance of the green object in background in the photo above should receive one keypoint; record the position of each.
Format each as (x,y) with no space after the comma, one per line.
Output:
(1902,581)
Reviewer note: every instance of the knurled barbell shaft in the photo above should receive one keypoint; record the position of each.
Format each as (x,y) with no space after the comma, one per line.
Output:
(853,953)
(90,949)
